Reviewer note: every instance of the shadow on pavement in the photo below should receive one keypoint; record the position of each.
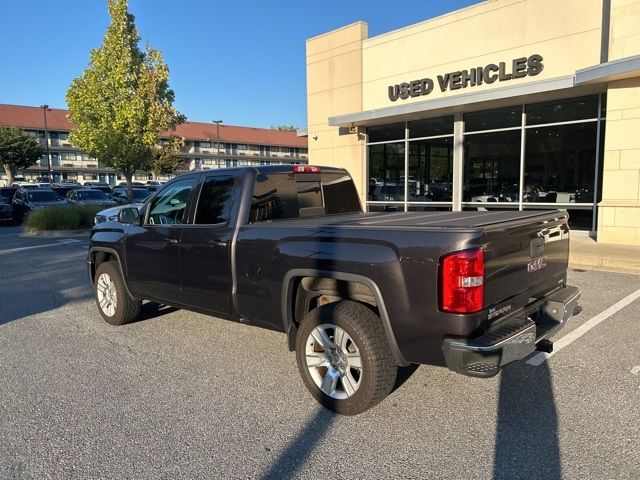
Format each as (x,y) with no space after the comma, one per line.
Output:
(300,447)
(527,443)
(151,310)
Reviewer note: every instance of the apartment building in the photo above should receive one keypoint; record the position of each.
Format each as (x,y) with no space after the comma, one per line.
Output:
(205,147)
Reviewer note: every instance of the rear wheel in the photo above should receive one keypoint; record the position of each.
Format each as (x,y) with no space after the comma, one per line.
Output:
(116,306)
(344,357)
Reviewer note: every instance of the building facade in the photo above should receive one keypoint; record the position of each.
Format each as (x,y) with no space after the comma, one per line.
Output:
(507,104)
(202,151)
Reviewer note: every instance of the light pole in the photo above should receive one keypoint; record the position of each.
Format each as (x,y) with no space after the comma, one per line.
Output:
(217,122)
(45,109)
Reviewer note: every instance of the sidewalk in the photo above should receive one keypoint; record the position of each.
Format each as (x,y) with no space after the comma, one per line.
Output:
(587,253)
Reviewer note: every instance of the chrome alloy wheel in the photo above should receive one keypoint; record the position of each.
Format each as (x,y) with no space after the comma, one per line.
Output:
(107,296)
(333,361)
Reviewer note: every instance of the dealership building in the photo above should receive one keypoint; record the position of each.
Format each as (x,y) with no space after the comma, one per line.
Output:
(507,104)
(206,146)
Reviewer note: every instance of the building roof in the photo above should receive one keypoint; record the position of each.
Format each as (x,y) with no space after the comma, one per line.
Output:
(21,116)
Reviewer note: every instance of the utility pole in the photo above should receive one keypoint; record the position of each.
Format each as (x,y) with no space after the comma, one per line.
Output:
(218,122)
(45,109)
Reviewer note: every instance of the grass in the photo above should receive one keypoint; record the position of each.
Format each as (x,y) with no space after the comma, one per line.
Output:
(63,217)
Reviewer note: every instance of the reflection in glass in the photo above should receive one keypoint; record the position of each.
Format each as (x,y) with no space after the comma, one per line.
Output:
(431,170)
(562,110)
(426,207)
(431,127)
(492,119)
(377,207)
(560,163)
(386,172)
(492,167)
(385,133)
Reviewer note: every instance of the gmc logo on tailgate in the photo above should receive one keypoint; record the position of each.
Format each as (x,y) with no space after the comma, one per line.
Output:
(537,264)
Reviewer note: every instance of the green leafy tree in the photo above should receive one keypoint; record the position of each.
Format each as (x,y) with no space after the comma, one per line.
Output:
(166,158)
(284,128)
(17,151)
(122,101)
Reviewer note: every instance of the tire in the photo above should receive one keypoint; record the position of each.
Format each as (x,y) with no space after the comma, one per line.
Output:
(114,303)
(353,331)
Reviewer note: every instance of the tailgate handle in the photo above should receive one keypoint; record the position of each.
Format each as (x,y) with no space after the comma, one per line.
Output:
(536,247)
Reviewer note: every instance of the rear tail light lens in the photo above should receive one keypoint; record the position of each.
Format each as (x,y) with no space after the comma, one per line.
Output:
(305,169)
(462,282)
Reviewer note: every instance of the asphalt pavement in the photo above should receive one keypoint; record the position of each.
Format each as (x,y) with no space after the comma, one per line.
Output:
(183,395)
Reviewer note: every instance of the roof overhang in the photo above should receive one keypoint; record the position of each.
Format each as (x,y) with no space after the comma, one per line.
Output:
(583,82)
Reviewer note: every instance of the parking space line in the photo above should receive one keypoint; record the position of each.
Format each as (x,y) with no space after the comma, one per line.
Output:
(541,357)
(32,247)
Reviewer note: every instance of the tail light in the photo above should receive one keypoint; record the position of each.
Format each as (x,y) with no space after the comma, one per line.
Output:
(462,282)
(305,169)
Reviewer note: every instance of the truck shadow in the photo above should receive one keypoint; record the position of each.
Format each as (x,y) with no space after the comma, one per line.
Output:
(527,443)
(301,446)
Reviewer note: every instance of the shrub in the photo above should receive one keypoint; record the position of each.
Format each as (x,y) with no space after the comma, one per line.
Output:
(63,217)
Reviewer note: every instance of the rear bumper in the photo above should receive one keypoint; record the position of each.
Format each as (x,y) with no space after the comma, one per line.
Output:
(513,338)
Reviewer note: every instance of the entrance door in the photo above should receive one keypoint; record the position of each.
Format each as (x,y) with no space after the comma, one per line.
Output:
(152,249)
(205,248)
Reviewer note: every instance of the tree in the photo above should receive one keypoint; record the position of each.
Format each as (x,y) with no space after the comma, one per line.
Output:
(165,159)
(17,151)
(122,101)
(284,128)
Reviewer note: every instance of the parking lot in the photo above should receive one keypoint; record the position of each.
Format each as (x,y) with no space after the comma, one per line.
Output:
(182,395)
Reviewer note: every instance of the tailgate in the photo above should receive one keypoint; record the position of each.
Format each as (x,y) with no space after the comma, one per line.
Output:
(525,261)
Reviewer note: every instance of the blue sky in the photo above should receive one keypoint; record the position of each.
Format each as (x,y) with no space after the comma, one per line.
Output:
(240,61)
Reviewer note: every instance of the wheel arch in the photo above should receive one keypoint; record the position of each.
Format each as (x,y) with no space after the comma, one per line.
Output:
(98,255)
(291,283)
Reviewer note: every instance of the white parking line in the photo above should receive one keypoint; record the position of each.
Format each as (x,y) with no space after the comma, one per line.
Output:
(541,357)
(32,247)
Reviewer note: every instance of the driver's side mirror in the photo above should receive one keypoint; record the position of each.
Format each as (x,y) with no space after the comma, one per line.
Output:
(128,215)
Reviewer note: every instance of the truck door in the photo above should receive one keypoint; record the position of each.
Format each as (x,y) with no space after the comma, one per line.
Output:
(152,249)
(205,247)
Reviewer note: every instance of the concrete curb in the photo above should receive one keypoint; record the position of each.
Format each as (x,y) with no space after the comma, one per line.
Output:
(56,233)
(599,262)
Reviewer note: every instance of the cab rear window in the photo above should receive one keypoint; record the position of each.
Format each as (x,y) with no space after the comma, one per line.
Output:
(283,195)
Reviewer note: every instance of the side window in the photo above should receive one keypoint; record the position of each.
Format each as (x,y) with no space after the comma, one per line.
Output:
(170,207)
(275,196)
(214,203)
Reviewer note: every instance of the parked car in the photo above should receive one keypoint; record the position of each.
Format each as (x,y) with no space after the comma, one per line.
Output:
(6,212)
(63,189)
(133,184)
(111,214)
(28,200)
(7,193)
(104,187)
(22,184)
(89,196)
(139,195)
(357,294)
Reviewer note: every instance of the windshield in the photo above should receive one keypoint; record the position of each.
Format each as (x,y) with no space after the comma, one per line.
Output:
(140,194)
(43,196)
(92,195)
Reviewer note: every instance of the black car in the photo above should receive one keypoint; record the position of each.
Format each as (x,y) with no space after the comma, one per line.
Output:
(7,193)
(29,200)
(103,187)
(6,212)
(139,195)
(64,189)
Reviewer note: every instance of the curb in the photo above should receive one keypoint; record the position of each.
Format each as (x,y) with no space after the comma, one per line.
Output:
(616,264)
(56,233)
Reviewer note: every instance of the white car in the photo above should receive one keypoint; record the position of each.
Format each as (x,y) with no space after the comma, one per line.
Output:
(111,214)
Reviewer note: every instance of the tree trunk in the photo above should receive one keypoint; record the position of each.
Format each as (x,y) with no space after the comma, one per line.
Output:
(11,174)
(154,176)
(129,177)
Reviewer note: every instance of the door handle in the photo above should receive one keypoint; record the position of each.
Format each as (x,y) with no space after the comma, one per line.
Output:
(217,243)
(172,241)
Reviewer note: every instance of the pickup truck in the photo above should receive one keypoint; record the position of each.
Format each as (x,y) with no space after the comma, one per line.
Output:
(357,294)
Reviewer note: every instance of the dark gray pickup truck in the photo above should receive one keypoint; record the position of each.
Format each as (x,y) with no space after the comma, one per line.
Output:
(357,294)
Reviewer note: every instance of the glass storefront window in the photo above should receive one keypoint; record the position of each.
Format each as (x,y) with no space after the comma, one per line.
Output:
(431,127)
(385,133)
(572,109)
(492,167)
(386,172)
(560,163)
(492,119)
(430,170)
(580,218)
(390,207)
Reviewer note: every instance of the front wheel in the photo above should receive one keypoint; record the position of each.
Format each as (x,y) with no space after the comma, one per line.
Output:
(344,357)
(114,303)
